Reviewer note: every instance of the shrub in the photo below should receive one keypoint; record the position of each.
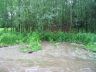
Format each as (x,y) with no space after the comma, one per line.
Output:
(34,41)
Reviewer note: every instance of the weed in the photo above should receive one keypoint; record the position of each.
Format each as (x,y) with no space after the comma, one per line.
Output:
(10,39)
(34,41)
(91,46)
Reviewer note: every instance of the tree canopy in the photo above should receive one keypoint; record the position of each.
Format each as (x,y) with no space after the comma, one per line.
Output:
(42,15)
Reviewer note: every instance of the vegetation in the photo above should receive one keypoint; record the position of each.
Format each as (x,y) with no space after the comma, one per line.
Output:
(91,46)
(33,40)
(84,38)
(88,39)
(32,21)
(48,15)
(10,38)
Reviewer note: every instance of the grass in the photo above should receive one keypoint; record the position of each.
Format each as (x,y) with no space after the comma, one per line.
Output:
(84,38)
(10,39)
(88,39)
(34,39)
(1,29)
(91,46)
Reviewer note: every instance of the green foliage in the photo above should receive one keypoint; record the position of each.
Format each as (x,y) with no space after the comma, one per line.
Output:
(29,15)
(91,46)
(10,39)
(34,41)
(88,39)
(25,16)
(70,37)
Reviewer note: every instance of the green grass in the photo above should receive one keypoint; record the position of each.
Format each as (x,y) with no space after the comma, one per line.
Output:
(1,29)
(91,46)
(88,39)
(84,38)
(10,38)
(34,39)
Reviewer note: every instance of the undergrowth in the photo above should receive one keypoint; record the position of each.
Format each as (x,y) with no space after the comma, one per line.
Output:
(10,39)
(84,38)
(88,39)
(33,40)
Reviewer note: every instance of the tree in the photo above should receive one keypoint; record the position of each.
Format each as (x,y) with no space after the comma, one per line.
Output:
(46,15)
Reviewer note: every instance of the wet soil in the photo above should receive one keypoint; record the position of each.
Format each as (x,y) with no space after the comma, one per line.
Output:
(54,57)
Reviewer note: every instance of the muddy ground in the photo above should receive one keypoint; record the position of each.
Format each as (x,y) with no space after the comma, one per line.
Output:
(54,57)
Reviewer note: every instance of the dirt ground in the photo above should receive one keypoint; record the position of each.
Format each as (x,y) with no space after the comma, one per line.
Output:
(54,57)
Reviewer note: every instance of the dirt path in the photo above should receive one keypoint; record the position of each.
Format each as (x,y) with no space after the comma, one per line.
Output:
(59,57)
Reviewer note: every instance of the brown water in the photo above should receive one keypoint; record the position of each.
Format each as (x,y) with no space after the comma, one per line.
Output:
(54,57)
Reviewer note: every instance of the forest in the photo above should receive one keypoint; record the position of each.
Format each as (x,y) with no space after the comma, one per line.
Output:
(33,21)
(47,35)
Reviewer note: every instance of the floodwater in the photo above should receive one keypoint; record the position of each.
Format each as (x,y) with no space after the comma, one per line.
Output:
(54,57)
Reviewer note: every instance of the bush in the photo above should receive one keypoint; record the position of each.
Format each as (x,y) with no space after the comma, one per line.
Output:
(34,41)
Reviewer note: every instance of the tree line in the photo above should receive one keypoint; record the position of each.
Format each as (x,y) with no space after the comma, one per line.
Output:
(48,15)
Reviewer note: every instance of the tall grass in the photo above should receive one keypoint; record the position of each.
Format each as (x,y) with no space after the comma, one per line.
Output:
(9,38)
(34,39)
(84,38)
(88,39)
